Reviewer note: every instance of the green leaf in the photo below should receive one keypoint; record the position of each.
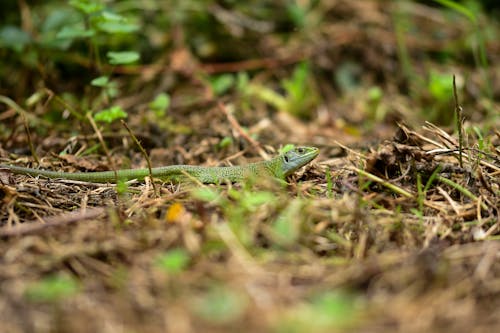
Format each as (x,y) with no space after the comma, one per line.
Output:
(222,83)
(100,81)
(286,148)
(59,18)
(375,94)
(122,58)
(111,114)
(113,23)
(287,226)
(242,81)
(160,104)
(334,307)
(331,311)
(121,186)
(117,27)
(458,8)
(297,14)
(75,32)
(14,38)
(173,261)
(205,194)
(440,86)
(252,200)
(51,288)
(221,305)
(296,86)
(87,6)
(225,142)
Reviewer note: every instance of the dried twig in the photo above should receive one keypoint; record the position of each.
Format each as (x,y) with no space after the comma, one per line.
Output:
(458,112)
(30,227)
(143,151)
(103,143)
(392,187)
(234,123)
(30,141)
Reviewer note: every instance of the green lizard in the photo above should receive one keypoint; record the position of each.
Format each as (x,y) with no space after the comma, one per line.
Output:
(280,166)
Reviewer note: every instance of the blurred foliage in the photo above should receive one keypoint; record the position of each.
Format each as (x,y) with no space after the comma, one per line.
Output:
(305,71)
(71,46)
(52,288)
(173,261)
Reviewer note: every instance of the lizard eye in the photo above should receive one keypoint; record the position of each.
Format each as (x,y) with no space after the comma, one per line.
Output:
(300,150)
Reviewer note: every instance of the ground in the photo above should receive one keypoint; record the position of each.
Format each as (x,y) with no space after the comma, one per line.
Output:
(395,226)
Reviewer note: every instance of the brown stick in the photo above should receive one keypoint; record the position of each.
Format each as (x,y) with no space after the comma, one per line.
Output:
(458,111)
(34,226)
(143,151)
(234,123)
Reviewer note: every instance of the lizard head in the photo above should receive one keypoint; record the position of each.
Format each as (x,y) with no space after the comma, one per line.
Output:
(296,158)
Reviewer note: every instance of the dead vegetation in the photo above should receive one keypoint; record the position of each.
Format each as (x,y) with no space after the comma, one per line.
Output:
(394,227)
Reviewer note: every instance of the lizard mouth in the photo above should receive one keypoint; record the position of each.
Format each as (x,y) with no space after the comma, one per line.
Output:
(298,157)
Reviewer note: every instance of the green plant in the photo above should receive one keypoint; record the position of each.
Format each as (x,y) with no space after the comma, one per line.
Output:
(325,312)
(236,205)
(220,84)
(440,88)
(104,30)
(173,261)
(299,98)
(111,114)
(286,227)
(51,288)
(158,114)
(220,304)
(477,39)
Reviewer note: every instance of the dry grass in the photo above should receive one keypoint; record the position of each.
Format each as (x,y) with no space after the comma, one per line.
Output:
(387,230)
(427,262)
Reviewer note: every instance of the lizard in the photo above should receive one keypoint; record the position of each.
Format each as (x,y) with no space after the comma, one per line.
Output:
(280,166)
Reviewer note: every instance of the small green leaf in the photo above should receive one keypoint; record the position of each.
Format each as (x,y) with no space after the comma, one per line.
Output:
(160,104)
(111,114)
(375,94)
(458,8)
(205,194)
(113,23)
(440,86)
(234,193)
(417,213)
(297,14)
(225,142)
(121,186)
(286,148)
(75,32)
(110,16)
(334,307)
(331,311)
(252,200)
(87,6)
(242,81)
(117,27)
(100,81)
(112,89)
(51,288)
(222,83)
(286,228)
(173,261)
(122,58)
(36,97)
(14,38)
(221,305)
